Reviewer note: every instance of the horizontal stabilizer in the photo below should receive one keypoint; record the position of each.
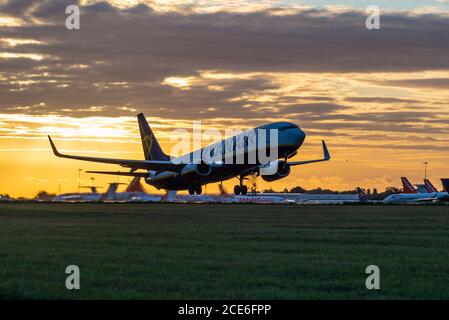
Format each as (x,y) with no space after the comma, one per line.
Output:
(118,173)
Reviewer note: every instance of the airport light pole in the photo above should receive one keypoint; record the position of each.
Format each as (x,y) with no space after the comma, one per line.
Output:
(425,169)
(79,180)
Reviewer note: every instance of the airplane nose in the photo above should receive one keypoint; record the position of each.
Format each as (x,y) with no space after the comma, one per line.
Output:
(298,137)
(295,137)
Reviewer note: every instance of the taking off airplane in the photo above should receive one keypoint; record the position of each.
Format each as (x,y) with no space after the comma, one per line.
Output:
(215,162)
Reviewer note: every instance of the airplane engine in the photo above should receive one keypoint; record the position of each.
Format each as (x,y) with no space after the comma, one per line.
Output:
(201,169)
(282,170)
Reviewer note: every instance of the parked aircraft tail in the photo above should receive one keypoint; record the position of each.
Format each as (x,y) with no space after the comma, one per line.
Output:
(151,148)
(135,185)
(93,189)
(408,187)
(429,186)
(170,196)
(421,188)
(110,193)
(445,183)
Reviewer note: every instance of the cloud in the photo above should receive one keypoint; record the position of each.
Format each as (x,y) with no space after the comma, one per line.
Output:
(436,83)
(380,100)
(310,41)
(312,108)
(16,7)
(310,66)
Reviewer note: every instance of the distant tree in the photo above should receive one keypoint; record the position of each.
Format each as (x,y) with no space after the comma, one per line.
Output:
(366,193)
(298,189)
(392,190)
(360,190)
(316,191)
(44,195)
(322,191)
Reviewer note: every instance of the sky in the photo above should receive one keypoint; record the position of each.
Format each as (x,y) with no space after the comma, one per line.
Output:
(380,98)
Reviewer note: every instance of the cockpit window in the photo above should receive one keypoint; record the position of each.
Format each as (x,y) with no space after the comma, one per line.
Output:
(292,126)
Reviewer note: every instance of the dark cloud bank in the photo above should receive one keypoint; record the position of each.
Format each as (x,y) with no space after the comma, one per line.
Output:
(141,47)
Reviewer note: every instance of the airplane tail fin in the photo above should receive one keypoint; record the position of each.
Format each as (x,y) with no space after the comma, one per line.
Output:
(429,186)
(110,193)
(135,185)
(151,148)
(445,183)
(170,196)
(408,187)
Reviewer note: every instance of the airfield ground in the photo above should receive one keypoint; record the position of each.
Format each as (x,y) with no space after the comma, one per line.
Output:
(181,251)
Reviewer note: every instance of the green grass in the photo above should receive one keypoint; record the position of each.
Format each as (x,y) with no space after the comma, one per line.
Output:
(176,251)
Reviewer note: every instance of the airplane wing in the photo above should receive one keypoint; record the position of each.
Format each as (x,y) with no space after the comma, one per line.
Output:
(326,157)
(120,173)
(156,165)
(427,199)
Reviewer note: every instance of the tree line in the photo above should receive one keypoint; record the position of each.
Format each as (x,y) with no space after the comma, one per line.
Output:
(370,194)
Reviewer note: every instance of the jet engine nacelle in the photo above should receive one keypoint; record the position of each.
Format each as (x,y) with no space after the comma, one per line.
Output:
(280,168)
(201,169)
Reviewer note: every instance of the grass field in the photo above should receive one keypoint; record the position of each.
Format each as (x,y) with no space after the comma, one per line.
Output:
(176,251)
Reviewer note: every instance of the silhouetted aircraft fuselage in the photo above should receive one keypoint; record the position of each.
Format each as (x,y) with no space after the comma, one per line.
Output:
(255,151)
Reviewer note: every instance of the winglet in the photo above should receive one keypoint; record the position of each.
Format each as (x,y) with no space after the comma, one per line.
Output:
(55,151)
(327,156)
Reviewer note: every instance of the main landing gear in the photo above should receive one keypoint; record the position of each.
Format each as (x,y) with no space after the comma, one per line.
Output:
(240,188)
(198,190)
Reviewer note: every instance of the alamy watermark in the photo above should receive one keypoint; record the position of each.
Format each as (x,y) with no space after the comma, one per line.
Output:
(372,282)
(72,282)
(72,22)
(260,146)
(372,22)
(241,147)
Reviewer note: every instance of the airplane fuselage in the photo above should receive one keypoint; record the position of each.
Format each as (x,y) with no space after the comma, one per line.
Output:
(416,197)
(289,140)
(264,151)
